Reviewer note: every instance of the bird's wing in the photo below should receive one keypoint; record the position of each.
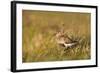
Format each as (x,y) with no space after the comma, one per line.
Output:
(66,36)
(67,40)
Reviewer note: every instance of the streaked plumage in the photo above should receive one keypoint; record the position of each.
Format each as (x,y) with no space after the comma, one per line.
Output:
(64,40)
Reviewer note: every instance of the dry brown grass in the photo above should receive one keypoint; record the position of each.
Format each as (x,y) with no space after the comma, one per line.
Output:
(38,39)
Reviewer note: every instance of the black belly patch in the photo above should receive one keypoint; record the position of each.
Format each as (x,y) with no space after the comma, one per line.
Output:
(62,45)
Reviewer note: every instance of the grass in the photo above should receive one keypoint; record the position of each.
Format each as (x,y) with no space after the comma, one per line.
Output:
(38,40)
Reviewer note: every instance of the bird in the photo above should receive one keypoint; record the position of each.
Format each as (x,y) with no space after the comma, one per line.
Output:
(65,40)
